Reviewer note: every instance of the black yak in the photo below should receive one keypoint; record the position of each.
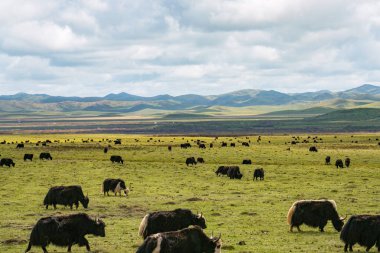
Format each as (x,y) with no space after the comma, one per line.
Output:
(116,159)
(313,149)
(114,185)
(328,160)
(165,221)
(187,240)
(200,160)
(28,157)
(361,229)
(7,162)
(339,163)
(314,213)
(45,156)
(233,172)
(258,173)
(65,231)
(247,161)
(222,170)
(347,162)
(66,195)
(191,160)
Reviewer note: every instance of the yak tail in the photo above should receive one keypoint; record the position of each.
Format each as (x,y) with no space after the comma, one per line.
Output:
(291,212)
(143,225)
(344,234)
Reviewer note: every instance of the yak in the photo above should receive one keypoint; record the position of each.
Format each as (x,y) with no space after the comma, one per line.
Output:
(233,172)
(347,162)
(65,231)
(185,145)
(116,159)
(7,162)
(222,170)
(28,157)
(247,161)
(361,229)
(246,144)
(170,148)
(191,160)
(67,196)
(200,160)
(339,163)
(258,173)
(328,160)
(45,156)
(313,149)
(203,146)
(114,185)
(187,240)
(20,145)
(314,213)
(165,221)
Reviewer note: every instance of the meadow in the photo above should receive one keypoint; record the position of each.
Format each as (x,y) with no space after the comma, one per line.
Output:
(250,215)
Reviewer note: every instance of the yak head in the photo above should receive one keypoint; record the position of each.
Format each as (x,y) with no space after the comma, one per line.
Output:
(214,245)
(85,201)
(338,223)
(99,228)
(199,220)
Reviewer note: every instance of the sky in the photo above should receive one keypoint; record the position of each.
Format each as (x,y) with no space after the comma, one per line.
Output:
(151,47)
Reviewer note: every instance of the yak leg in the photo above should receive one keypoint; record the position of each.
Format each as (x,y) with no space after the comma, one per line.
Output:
(322,226)
(47,206)
(298,228)
(71,206)
(55,206)
(345,247)
(83,241)
(29,247)
(76,205)
(368,248)
(351,248)
(44,249)
(69,247)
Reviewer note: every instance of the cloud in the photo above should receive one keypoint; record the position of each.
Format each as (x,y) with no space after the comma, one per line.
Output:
(94,47)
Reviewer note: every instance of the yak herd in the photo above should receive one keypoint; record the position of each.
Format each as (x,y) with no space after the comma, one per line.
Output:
(181,230)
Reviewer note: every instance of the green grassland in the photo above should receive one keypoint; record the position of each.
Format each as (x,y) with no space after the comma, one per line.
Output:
(241,210)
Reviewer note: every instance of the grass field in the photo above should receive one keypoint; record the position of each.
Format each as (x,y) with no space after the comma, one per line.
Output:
(241,210)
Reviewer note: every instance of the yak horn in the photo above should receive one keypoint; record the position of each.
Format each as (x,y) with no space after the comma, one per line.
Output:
(345,217)
(220,236)
(201,214)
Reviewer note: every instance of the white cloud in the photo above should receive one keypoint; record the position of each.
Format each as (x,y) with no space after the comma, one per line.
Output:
(93,47)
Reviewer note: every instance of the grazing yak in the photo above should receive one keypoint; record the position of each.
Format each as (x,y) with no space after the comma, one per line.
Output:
(45,156)
(314,213)
(185,145)
(203,146)
(233,172)
(191,160)
(114,185)
(20,145)
(105,150)
(339,163)
(28,157)
(224,144)
(165,221)
(65,231)
(67,196)
(187,240)
(246,144)
(328,160)
(313,149)
(232,144)
(247,161)
(361,229)
(7,162)
(222,170)
(258,173)
(117,142)
(116,159)
(170,148)
(347,162)
(200,160)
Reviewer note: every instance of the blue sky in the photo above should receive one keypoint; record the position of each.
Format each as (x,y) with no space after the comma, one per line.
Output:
(151,47)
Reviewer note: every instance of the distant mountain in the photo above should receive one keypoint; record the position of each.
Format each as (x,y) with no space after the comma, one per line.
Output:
(124,102)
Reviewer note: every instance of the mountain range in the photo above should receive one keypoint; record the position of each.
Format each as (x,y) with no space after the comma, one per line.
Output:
(126,103)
